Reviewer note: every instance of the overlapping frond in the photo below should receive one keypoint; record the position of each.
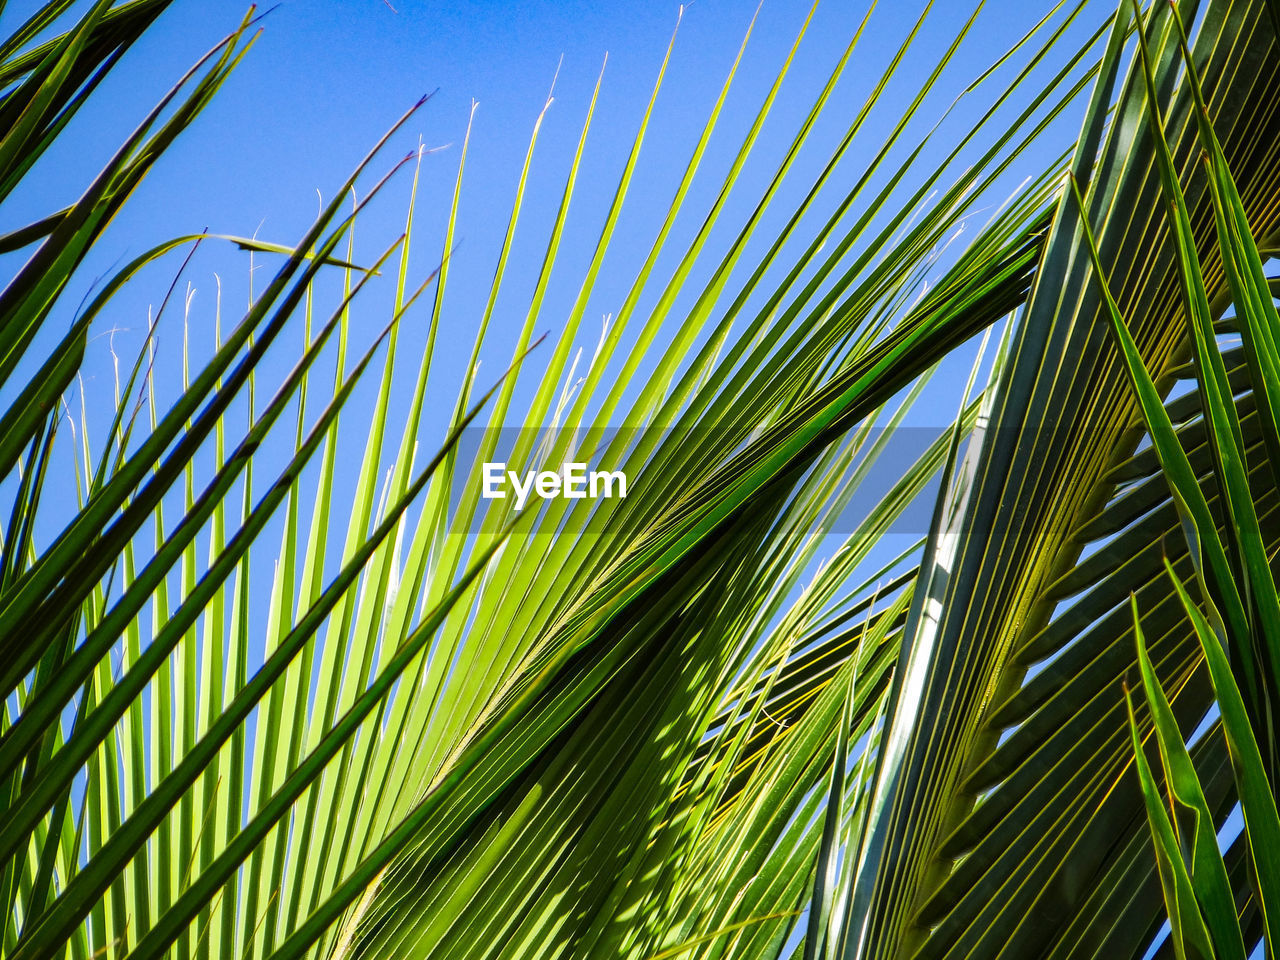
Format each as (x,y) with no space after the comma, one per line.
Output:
(1013,824)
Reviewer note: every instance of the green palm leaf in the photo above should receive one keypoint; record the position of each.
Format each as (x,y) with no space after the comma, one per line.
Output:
(717,717)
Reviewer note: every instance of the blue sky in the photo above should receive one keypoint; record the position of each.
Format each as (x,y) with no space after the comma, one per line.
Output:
(326,78)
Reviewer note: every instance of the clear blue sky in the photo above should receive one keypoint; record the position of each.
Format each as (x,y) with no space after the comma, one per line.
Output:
(326,78)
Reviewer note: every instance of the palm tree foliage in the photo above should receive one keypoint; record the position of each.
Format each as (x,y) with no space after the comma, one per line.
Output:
(1237,627)
(714,718)
(1016,824)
